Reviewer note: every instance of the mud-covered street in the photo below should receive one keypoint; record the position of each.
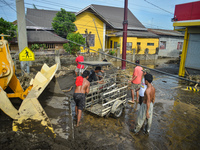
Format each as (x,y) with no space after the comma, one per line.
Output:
(175,123)
(175,119)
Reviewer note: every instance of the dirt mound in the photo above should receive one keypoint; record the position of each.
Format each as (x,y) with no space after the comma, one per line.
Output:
(24,141)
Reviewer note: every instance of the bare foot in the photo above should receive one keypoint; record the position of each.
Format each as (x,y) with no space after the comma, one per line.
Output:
(78,124)
(131,101)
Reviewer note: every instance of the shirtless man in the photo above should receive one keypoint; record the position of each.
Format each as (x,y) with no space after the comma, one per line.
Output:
(82,87)
(145,112)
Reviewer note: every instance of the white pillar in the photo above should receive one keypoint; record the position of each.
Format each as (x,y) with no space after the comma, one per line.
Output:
(104,35)
(22,35)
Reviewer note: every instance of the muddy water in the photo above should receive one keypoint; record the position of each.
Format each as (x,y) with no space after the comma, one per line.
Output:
(175,125)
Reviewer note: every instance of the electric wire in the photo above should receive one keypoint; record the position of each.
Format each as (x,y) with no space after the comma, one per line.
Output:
(91,26)
(159,7)
(77,8)
(162,72)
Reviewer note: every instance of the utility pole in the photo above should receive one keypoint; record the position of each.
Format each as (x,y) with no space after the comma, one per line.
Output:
(97,33)
(125,25)
(22,35)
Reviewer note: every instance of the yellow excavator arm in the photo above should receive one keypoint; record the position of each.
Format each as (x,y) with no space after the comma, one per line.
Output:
(30,117)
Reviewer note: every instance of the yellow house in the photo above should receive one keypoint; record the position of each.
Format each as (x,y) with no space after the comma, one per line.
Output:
(105,25)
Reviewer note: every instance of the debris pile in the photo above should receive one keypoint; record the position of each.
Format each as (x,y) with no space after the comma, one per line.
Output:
(25,79)
(194,78)
(65,70)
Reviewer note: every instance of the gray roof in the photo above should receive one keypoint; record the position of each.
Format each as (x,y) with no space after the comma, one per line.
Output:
(145,34)
(114,16)
(162,32)
(40,18)
(44,37)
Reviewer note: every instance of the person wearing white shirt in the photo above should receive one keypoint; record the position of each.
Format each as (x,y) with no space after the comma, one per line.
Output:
(143,86)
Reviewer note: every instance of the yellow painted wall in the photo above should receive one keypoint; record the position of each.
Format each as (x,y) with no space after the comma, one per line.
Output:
(113,39)
(144,41)
(134,40)
(85,21)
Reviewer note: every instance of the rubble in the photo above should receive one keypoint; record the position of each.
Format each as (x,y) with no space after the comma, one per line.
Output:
(25,79)
(64,70)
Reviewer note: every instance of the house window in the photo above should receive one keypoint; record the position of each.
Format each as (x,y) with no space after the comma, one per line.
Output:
(115,45)
(138,43)
(180,46)
(91,40)
(50,46)
(162,44)
(128,45)
(111,43)
(150,44)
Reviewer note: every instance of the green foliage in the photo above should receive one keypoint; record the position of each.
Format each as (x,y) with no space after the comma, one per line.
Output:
(112,52)
(7,28)
(63,23)
(35,47)
(73,48)
(38,46)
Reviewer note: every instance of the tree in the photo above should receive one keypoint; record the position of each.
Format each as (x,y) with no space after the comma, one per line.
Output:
(7,28)
(71,47)
(63,23)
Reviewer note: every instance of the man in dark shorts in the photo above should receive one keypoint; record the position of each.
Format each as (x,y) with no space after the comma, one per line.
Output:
(82,87)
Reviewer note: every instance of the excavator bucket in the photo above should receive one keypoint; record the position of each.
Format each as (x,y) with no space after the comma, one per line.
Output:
(6,105)
(31,117)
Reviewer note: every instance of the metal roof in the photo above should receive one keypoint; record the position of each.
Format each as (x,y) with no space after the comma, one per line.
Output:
(145,34)
(162,32)
(40,18)
(44,37)
(114,16)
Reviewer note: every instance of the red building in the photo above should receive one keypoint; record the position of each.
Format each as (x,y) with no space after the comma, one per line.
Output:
(187,19)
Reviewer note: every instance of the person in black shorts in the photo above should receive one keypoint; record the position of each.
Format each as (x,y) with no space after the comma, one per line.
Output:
(82,87)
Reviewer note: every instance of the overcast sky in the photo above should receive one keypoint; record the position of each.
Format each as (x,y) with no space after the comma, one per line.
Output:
(151,13)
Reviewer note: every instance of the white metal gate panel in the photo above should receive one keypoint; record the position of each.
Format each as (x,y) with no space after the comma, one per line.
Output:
(193,52)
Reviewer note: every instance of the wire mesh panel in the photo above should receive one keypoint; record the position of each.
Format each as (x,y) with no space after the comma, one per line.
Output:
(104,93)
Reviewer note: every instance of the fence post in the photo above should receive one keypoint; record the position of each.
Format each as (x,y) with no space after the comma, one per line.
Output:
(57,58)
(156,54)
(100,55)
(146,53)
(118,53)
(133,57)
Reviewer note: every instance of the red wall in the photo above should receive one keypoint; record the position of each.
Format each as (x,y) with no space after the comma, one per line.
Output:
(188,11)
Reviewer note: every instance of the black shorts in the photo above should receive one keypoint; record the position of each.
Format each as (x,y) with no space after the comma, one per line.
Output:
(79,99)
(141,100)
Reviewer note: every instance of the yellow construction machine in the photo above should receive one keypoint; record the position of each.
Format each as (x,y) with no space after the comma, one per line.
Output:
(30,116)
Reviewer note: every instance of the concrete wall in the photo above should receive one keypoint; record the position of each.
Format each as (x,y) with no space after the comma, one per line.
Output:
(171,47)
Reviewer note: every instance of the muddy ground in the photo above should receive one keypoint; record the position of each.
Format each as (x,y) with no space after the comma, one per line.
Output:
(175,125)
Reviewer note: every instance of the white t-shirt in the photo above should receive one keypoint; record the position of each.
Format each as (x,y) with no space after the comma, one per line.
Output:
(142,88)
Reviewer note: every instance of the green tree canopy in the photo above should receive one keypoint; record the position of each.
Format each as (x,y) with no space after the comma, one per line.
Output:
(73,48)
(7,28)
(63,23)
